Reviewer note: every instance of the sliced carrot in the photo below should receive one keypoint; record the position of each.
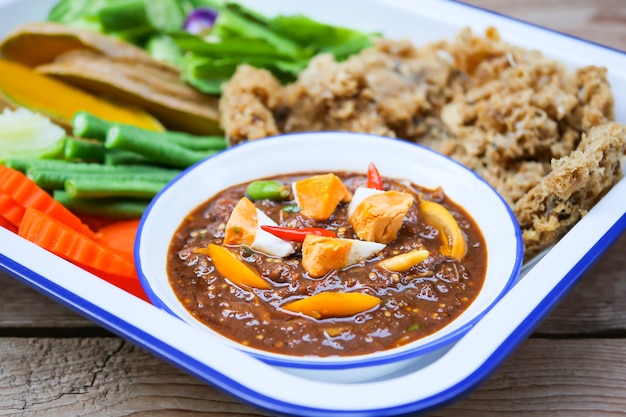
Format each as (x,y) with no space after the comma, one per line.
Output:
(11,210)
(28,194)
(120,237)
(62,240)
(7,224)
(95,222)
(71,245)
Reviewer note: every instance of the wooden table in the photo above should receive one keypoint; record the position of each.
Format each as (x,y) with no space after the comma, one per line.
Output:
(56,363)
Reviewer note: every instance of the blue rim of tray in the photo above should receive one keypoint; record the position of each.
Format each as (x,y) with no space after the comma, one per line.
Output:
(195,367)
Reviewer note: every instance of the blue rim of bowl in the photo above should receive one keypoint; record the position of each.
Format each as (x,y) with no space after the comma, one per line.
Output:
(344,362)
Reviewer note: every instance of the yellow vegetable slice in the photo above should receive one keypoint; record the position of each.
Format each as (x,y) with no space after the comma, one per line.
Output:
(333,304)
(21,86)
(438,216)
(232,268)
(404,261)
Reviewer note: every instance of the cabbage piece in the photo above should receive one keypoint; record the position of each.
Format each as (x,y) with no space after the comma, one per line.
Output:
(24,134)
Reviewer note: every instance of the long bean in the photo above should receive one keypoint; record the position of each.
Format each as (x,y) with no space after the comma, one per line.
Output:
(145,143)
(52,174)
(113,208)
(89,167)
(122,157)
(86,125)
(98,187)
(84,149)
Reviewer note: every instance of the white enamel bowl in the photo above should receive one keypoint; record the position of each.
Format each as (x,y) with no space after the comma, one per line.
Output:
(328,152)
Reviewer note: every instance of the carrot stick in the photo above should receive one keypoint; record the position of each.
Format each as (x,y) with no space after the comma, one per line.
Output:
(62,240)
(119,237)
(7,224)
(11,210)
(94,221)
(25,192)
(71,245)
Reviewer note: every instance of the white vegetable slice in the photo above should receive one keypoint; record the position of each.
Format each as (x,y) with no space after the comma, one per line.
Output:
(27,134)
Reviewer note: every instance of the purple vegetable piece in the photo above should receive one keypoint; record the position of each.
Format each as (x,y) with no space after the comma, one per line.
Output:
(200,21)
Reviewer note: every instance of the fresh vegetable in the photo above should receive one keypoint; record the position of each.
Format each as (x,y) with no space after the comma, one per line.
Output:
(22,86)
(72,245)
(333,304)
(7,225)
(95,187)
(453,242)
(25,192)
(87,125)
(111,208)
(121,157)
(27,134)
(200,21)
(297,235)
(83,149)
(233,269)
(267,190)
(11,210)
(164,49)
(214,37)
(69,244)
(52,174)
(374,180)
(120,237)
(146,144)
(404,261)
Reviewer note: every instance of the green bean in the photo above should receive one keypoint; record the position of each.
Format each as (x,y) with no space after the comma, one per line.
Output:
(51,179)
(18,164)
(122,157)
(113,208)
(109,186)
(90,167)
(84,149)
(197,143)
(52,174)
(86,125)
(146,143)
(267,190)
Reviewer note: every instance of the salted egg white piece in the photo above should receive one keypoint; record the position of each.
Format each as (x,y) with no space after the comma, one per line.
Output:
(359,195)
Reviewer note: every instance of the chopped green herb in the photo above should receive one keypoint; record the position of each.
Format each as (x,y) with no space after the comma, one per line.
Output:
(291,208)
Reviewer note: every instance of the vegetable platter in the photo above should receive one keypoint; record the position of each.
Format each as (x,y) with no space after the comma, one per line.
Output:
(451,372)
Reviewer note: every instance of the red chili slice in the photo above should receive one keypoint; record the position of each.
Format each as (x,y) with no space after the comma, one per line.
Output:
(374,179)
(297,235)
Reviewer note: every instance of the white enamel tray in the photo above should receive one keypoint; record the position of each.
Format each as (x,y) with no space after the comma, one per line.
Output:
(447,374)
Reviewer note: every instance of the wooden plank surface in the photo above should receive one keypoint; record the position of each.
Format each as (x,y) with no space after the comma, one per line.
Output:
(57,363)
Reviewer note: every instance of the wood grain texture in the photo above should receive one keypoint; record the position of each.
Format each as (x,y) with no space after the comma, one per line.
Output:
(601,21)
(111,377)
(574,364)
